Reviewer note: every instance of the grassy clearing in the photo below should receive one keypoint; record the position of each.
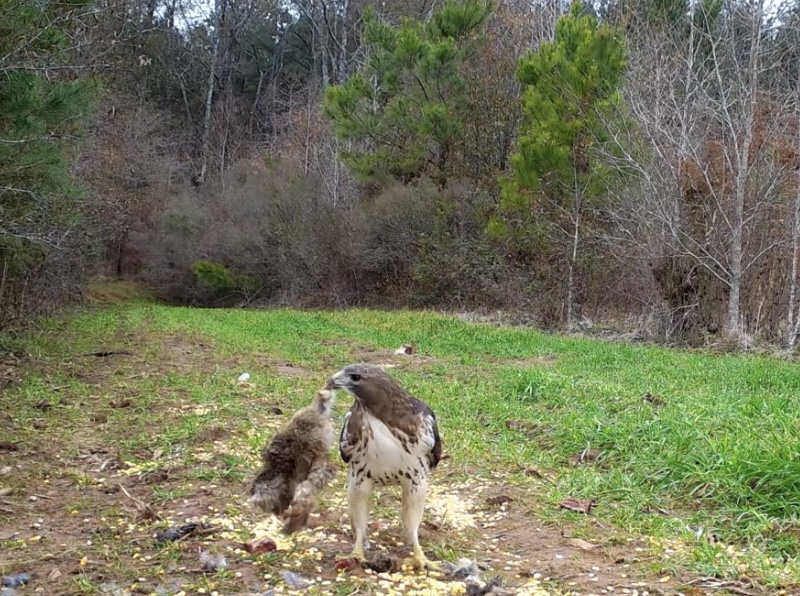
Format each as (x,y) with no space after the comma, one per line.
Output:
(698,453)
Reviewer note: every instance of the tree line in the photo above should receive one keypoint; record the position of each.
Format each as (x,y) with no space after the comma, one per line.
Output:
(627,161)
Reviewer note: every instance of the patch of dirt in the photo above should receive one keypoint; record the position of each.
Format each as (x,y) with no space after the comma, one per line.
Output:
(574,565)
(212,433)
(186,354)
(341,341)
(290,370)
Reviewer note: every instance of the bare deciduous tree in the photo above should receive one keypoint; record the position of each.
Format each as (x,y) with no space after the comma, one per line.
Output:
(710,184)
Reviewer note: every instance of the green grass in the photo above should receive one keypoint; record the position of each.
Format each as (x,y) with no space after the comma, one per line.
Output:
(718,450)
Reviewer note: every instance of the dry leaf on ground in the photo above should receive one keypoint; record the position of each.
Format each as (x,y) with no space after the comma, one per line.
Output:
(578,505)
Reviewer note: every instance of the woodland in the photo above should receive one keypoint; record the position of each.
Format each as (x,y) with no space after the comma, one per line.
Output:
(633,163)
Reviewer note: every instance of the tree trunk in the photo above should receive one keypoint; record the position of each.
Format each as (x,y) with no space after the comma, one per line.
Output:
(734,326)
(254,108)
(220,19)
(573,259)
(323,56)
(341,75)
(186,101)
(794,325)
(151,11)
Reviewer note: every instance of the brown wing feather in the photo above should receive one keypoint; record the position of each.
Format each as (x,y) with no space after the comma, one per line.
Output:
(436,454)
(350,437)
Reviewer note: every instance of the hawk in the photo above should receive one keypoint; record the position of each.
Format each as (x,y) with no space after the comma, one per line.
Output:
(388,438)
(297,464)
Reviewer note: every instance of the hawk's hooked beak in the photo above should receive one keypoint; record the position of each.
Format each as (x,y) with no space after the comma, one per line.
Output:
(335,382)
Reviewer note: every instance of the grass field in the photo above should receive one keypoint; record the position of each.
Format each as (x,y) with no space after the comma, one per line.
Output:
(692,459)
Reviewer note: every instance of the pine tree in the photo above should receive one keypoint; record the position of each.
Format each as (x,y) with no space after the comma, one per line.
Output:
(571,97)
(40,112)
(401,112)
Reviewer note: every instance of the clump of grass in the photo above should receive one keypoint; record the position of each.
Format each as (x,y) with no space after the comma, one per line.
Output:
(104,290)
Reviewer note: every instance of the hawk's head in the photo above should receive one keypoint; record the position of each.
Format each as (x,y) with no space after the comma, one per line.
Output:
(367,382)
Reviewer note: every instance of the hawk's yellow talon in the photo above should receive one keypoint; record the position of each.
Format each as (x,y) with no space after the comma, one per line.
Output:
(357,555)
(419,562)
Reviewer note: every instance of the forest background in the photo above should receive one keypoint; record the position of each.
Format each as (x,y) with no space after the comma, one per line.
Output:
(629,163)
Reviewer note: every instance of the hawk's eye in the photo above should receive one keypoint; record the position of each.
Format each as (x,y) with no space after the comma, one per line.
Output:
(355,377)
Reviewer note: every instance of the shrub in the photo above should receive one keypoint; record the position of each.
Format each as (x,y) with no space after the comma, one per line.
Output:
(215,277)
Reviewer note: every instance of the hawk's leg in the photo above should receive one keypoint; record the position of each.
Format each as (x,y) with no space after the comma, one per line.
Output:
(358,502)
(413,508)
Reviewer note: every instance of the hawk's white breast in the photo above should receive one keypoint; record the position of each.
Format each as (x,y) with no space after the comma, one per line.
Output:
(387,461)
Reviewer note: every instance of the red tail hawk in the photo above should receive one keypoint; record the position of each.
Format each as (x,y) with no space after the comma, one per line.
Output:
(388,438)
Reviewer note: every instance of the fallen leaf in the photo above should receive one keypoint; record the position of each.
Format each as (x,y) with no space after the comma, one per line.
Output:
(531,471)
(585,457)
(54,574)
(582,544)
(123,403)
(258,546)
(578,505)
(6,491)
(5,470)
(432,524)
